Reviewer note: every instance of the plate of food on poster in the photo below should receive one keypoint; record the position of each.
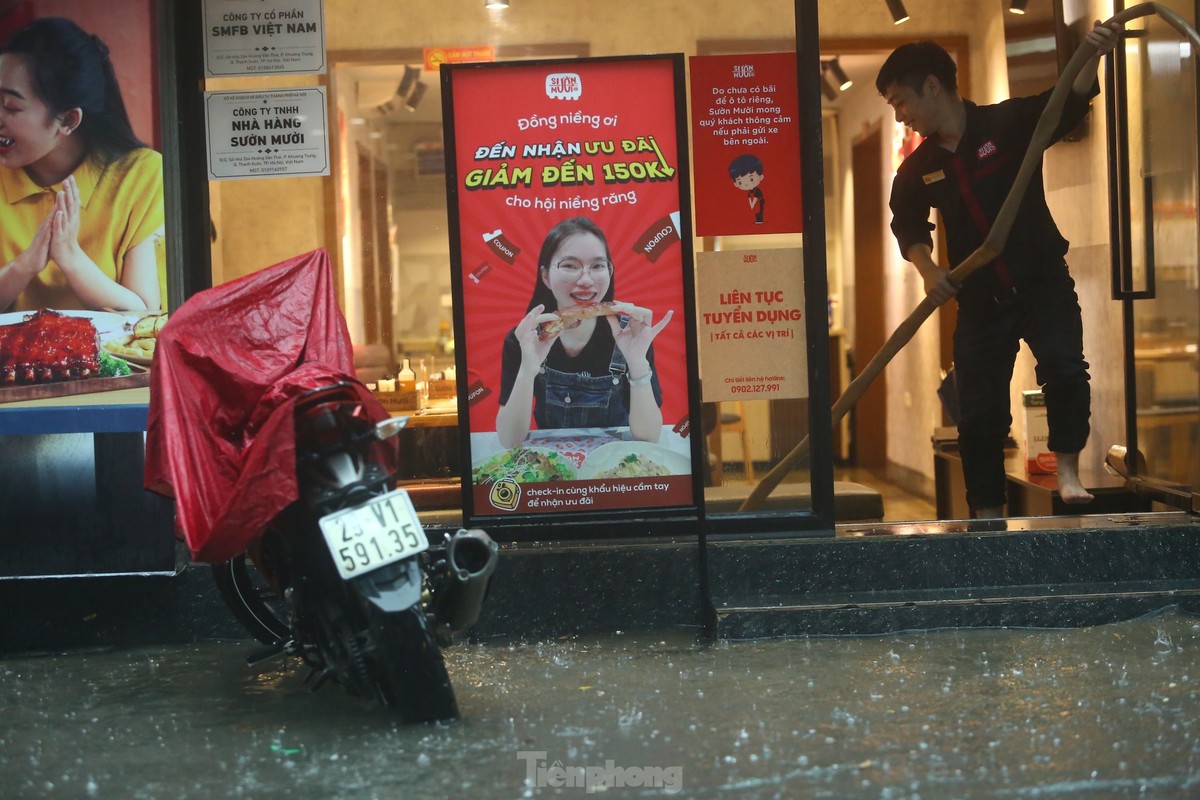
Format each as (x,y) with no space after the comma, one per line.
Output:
(524,464)
(53,353)
(633,459)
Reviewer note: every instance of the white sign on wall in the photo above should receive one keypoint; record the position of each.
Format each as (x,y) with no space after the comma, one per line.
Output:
(273,134)
(256,37)
(751,324)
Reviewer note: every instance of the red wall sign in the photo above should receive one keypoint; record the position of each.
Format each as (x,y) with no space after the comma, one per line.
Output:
(746,143)
(436,56)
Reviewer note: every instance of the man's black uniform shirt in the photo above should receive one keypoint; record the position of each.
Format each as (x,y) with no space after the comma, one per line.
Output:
(969,185)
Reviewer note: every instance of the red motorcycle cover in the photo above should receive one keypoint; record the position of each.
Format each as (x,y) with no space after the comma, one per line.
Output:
(229,364)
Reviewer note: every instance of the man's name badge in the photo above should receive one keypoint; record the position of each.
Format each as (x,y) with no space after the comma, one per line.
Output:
(934,177)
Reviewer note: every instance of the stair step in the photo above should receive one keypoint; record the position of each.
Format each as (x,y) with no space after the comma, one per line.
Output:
(870,613)
(917,565)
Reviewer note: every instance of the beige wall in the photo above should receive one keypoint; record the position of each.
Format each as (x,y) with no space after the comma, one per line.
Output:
(263,222)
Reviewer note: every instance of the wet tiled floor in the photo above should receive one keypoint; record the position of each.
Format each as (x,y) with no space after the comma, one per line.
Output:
(1103,712)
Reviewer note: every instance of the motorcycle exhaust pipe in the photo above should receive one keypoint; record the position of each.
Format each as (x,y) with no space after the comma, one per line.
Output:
(470,561)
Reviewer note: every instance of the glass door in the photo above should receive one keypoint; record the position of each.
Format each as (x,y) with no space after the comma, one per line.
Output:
(1156,237)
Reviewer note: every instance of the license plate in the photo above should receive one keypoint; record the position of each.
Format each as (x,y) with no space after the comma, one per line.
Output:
(374,535)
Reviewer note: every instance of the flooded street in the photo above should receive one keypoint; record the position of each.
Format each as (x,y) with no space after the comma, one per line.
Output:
(1105,712)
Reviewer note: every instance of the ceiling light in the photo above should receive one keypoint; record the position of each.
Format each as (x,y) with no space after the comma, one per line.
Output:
(898,13)
(410,77)
(414,99)
(1018,6)
(495,4)
(842,79)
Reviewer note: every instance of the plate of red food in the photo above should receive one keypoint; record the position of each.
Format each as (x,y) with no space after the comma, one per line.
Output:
(47,346)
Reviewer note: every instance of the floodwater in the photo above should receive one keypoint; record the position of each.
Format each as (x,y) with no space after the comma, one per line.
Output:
(1095,713)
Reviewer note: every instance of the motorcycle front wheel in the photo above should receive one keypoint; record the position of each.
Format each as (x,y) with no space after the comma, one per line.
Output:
(410,669)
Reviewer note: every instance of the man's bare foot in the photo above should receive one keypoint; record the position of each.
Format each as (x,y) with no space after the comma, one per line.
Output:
(1070,488)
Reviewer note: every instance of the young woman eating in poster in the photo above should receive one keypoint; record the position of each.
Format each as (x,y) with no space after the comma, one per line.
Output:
(577,357)
(81,217)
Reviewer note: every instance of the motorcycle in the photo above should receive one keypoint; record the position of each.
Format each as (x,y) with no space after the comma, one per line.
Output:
(292,494)
(366,600)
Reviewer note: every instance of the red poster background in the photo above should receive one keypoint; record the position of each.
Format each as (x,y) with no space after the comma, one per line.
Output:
(491,105)
(619,118)
(745,104)
(127,28)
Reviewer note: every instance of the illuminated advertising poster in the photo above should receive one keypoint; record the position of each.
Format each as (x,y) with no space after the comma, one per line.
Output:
(571,247)
(85,288)
(746,144)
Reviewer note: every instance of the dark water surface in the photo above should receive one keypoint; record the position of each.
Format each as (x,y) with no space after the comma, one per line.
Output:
(1106,712)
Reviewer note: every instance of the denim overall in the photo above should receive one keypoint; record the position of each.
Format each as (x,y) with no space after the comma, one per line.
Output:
(574,400)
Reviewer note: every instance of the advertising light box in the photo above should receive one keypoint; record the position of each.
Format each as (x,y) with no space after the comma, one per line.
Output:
(86,248)
(572,258)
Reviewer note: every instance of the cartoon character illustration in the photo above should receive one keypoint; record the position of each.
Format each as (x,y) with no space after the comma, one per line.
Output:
(746,172)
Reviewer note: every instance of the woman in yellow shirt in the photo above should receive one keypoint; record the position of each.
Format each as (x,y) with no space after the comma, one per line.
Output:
(81,222)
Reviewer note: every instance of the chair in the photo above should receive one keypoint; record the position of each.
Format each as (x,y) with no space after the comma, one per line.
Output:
(731,421)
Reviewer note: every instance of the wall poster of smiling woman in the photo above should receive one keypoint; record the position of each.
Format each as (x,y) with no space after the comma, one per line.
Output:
(82,222)
(572,259)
